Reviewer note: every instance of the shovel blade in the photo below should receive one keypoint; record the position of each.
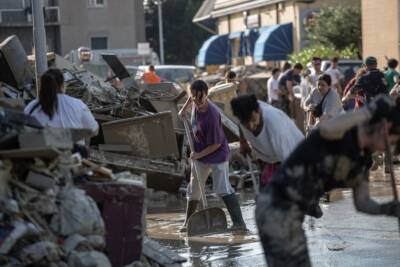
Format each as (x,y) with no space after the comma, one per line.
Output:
(207,221)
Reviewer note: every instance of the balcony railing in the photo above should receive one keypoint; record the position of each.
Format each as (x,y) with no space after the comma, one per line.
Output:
(23,17)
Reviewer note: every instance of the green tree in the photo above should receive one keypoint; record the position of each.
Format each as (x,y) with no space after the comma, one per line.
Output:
(182,38)
(322,51)
(337,27)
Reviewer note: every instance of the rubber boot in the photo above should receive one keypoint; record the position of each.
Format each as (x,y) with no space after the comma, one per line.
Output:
(190,209)
(233,207)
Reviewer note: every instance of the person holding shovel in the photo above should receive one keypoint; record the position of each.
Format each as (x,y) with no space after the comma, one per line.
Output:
(336,155)
(211,154)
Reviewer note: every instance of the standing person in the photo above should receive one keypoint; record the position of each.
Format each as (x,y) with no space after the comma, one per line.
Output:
(150,76)
(286,66)
(370,84)
(211,155)
(55,109)
(271,133)
(273,89)
(336,155)
(391,75)
(288,80)
(356,102)
(334,72)
(316,63)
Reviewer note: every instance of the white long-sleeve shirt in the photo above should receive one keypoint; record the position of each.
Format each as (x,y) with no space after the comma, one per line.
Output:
(278,137)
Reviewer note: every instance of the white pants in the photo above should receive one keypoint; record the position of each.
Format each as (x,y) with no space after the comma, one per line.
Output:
(220,175)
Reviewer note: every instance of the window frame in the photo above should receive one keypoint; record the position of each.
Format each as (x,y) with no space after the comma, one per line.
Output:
(94,4)
(98,37)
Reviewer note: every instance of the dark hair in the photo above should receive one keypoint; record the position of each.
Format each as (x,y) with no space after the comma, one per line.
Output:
(298,66)
(48,94)
(316,59)
(199,86)
(243,106)
(58,76)
(230,75)
(326,78)
(286,66)
(151,67)
(335,59)
(275,70)
(392,63)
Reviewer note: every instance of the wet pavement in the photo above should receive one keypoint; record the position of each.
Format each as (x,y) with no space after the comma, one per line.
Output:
(342,237)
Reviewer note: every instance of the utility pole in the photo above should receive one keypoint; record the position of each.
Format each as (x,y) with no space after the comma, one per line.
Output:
(160,29)
(39,37)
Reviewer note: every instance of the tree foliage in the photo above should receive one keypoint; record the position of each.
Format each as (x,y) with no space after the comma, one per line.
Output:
(322,51)
(337,27)
(182,38)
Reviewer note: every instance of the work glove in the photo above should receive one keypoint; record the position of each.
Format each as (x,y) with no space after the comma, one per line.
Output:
(315,211)
(391,208)
(244,147)
(381,107)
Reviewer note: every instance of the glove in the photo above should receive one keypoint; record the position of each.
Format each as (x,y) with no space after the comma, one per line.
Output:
(315,211)
(244,147)
(391,208)
(381,107)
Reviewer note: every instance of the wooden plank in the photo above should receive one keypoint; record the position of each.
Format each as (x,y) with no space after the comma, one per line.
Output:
(42,152)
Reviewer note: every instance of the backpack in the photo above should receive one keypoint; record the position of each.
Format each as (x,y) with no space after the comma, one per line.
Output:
(373,84)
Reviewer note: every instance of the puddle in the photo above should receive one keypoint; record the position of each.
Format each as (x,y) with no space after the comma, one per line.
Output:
(342,237)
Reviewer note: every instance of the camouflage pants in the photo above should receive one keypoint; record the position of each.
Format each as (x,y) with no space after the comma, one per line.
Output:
(279,224)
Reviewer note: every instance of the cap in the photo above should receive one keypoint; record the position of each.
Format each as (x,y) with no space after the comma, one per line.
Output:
(370,61)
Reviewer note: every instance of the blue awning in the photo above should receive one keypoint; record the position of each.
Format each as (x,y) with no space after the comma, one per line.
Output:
(274,43)
(214,51)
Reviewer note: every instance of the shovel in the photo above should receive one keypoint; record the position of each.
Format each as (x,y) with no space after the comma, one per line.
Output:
(207,220)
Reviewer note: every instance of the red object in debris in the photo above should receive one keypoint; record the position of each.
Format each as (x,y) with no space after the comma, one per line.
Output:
(122,209)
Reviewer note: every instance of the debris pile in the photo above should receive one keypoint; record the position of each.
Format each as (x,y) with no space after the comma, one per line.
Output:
(44,219)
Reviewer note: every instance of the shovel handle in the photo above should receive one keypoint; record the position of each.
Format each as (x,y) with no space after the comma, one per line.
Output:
(390,161)
(191,145)
(253,177)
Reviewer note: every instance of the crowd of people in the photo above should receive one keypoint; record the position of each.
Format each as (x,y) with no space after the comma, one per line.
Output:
(335,151)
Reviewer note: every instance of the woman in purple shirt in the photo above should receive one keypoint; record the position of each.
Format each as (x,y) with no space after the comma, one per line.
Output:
(211,153)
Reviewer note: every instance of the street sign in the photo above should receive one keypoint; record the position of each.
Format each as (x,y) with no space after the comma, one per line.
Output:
(143,48)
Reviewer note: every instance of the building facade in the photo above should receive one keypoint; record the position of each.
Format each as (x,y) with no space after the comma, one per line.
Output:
(101,24)
(227,17)
(16,18)
(97,24)
(381,29)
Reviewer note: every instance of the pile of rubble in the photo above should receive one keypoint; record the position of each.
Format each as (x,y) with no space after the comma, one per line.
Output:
(44,219)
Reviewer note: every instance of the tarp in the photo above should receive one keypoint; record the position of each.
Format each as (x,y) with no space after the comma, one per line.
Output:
(214,51)
(274,43)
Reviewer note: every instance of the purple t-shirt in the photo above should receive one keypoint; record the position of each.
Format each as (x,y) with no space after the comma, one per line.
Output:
(208,130)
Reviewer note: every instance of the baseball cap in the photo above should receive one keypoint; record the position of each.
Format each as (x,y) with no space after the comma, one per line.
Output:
(370,61)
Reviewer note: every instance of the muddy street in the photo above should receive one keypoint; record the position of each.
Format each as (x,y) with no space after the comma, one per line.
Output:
(342,237)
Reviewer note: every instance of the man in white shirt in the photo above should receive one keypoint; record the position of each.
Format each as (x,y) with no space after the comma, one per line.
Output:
(271,133)
(334,72)
(316,72)
(273,88)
